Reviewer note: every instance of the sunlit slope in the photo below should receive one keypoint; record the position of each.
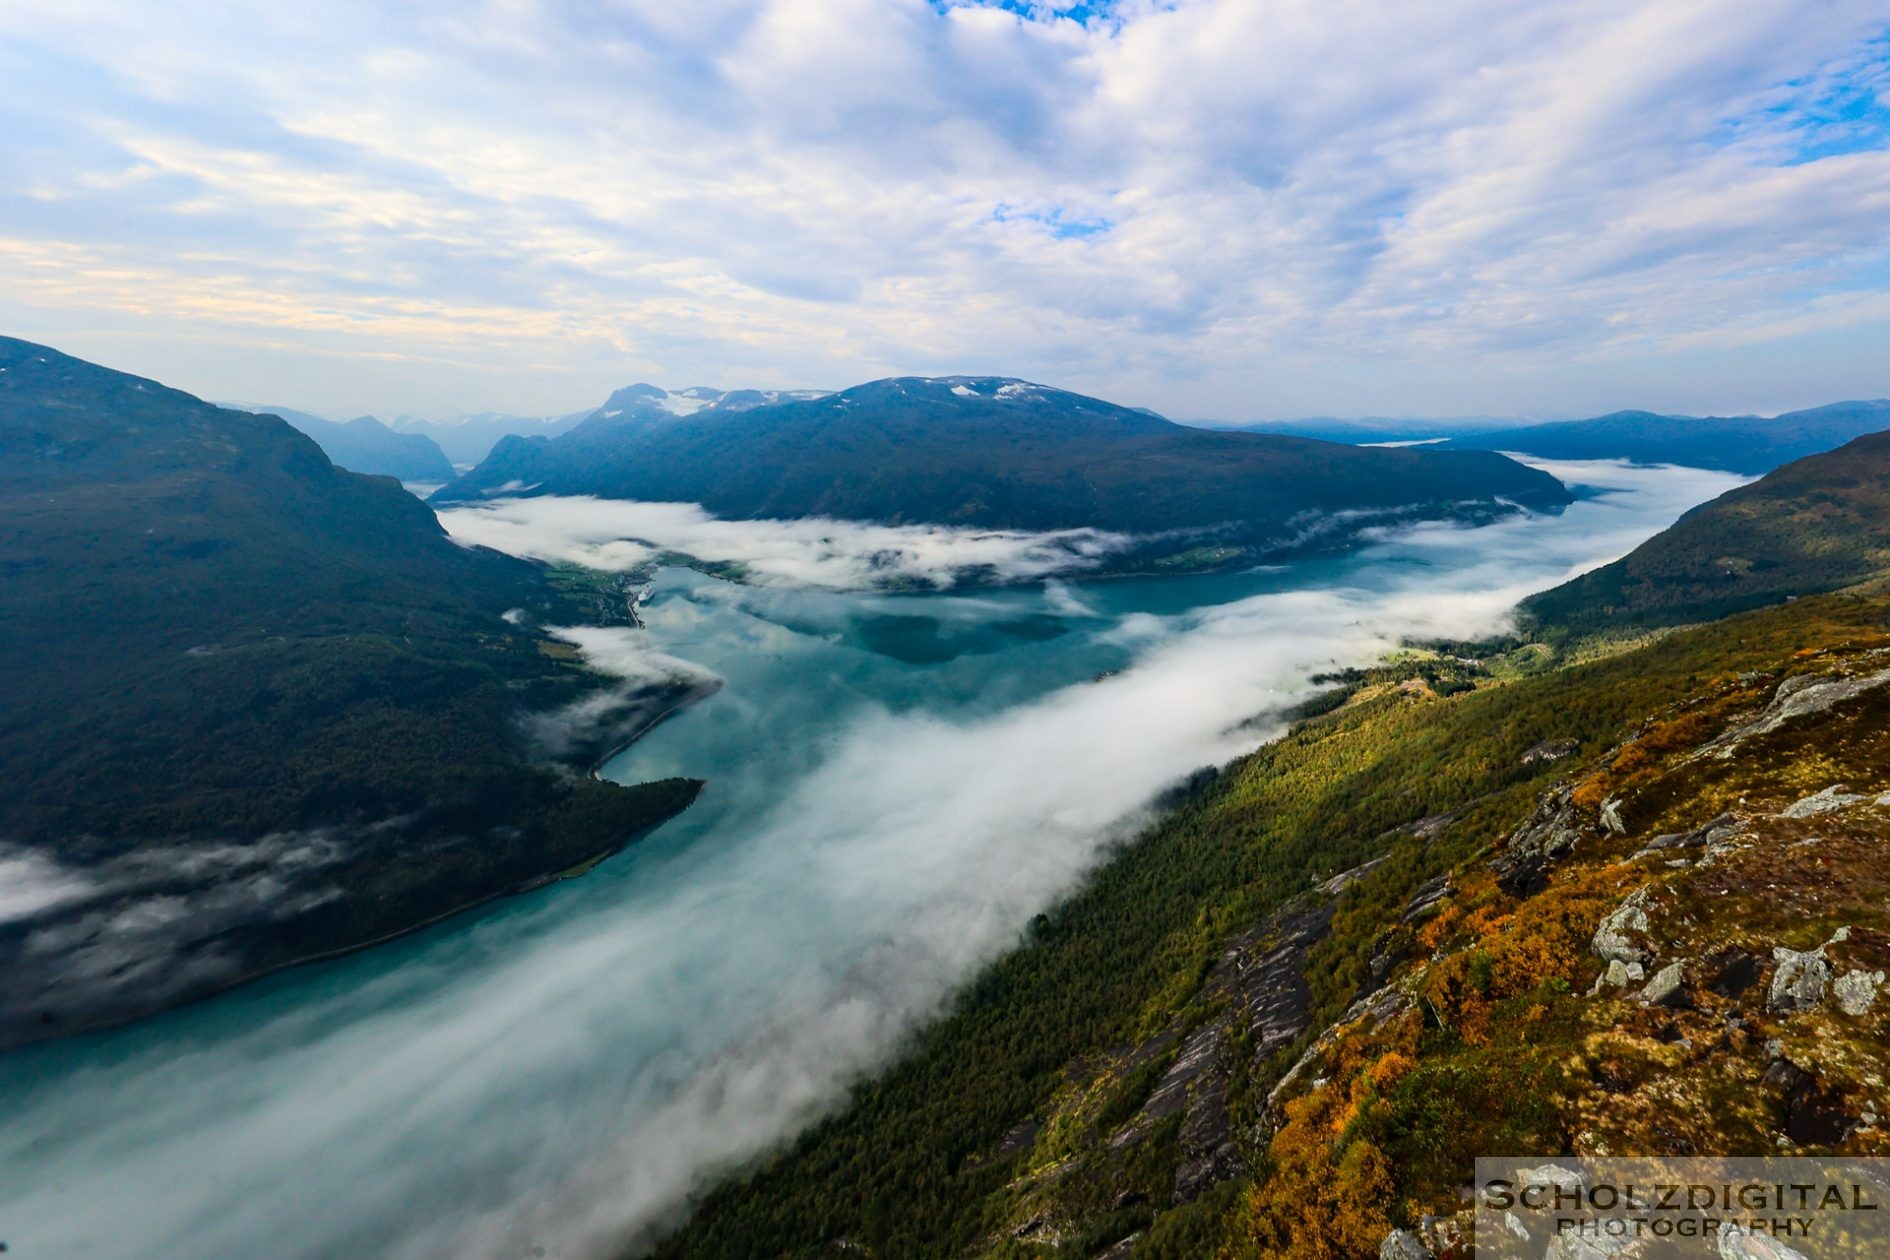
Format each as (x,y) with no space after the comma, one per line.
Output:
(1485,901)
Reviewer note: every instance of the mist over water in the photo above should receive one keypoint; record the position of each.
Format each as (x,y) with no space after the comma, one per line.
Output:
(897,783)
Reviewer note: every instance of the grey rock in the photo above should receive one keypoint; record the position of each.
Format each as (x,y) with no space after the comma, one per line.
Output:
(1856,991)
(1830,800)
(1736,1242)
(1715,832)
(1549,750)
(1797,697)
(1551,832)
(1611,817)
(1667,988)
(1613,941)
(1798,980)
(1402,1244)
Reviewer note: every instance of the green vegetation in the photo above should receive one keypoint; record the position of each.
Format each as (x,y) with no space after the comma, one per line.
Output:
(989,453)
(1815,525)
(1023,1122)
(218,643)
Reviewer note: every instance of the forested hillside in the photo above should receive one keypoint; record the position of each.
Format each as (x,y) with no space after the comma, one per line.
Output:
(1620,897)
(259,709)
(1815,525)
(988,452)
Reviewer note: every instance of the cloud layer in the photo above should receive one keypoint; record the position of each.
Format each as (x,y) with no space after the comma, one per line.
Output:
(570,1068)
(1215,207)
(618,534)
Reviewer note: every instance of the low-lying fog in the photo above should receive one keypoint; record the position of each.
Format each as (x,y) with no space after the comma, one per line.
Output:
(896,785)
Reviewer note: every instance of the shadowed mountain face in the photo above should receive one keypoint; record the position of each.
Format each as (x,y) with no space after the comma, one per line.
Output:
(1741,444)
(1815,525)
(989,452)
(365,445)
(255,708)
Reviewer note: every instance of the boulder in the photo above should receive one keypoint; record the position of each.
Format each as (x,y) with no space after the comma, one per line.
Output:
(1615,938)
(1798,980)
(1830,800)
(1668,988)
(1856,991)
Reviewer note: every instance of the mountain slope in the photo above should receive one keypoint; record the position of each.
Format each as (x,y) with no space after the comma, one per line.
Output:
(1814,525)
(365,445)
(994,453)
(256,708)
(1479,903)
(1741,444)
(465,440)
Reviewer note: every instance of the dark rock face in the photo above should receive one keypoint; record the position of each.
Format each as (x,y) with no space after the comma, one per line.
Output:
(1814,1114)
(1734,972)
(1262,975)
(1551,832)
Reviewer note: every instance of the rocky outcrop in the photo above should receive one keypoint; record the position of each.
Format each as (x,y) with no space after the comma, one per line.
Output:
(1551,832)
(1707,836)
(1402,1244)
(1798,697)
(1829,801)
(1798,980)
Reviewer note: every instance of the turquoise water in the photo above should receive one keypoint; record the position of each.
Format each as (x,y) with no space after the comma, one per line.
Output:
(896,784)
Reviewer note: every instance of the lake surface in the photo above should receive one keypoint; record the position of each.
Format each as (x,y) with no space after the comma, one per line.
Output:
(896,785)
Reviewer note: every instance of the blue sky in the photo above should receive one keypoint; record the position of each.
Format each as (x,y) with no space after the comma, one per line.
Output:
(1241,209)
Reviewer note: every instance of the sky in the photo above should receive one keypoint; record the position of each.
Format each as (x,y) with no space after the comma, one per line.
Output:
(1222,209)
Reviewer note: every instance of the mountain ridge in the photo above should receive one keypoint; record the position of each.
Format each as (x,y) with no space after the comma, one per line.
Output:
(1002,453)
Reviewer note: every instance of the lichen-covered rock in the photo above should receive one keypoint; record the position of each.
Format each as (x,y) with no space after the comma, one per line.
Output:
(1551,832)
(1611,817)
(1615,940)
(1830,800)
(1402,1244)
(1736,1242)
(1667,988)
(1856,991)
(1798,980)
(1797,697)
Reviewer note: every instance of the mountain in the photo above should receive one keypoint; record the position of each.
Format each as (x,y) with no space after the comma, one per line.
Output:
(990,452)
(258,709)
(365,445)
(1743,444)
(1627,899)
(469,439)
(1817,524)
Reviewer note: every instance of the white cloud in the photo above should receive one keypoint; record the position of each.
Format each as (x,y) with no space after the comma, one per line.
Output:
(1309,206)
(616,534)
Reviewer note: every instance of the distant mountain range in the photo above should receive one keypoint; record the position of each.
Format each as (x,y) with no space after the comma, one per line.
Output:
(993,452)
(1741,444)
(365,445)
(468,439)
(257,709)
